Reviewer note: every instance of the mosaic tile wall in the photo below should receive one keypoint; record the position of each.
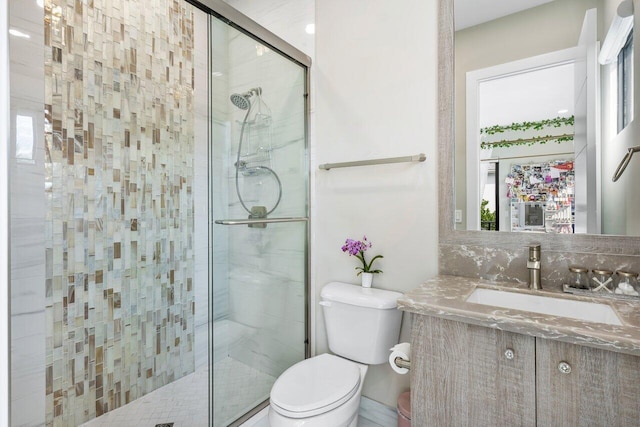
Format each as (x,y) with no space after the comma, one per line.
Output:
(119,175)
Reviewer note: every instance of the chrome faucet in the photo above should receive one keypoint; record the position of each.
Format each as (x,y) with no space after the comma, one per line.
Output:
(533,264)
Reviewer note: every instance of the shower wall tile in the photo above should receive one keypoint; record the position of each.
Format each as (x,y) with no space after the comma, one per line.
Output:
(27,367)
(267,295)
(120,248)
(27,216)
(201,189)
(220,203)
(27,294)
(202,348)
(219,157)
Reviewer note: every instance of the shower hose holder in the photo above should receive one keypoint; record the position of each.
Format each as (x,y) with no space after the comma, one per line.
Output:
(258,212)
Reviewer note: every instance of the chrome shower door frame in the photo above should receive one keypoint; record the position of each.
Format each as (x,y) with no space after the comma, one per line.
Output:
(246,25)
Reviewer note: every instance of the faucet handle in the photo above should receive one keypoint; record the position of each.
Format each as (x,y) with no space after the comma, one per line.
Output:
(534,252)
(533,264)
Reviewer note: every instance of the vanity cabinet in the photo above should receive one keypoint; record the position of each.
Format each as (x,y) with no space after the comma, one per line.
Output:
(468,375)
(462,375)
(595,387)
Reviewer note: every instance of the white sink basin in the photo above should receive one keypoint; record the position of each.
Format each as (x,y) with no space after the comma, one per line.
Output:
(582,310)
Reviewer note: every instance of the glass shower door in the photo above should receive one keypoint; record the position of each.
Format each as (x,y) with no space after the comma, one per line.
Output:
(258,203)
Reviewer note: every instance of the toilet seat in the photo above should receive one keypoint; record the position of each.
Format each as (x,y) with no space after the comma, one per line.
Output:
(315,386)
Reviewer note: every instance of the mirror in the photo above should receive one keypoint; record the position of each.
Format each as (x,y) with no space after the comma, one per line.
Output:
(544,116)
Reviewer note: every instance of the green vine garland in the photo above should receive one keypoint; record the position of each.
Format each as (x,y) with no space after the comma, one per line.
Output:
(527,141)
(524,126)
(556,123)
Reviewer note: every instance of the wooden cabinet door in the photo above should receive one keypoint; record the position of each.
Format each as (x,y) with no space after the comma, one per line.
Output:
(602,389)
(460,375)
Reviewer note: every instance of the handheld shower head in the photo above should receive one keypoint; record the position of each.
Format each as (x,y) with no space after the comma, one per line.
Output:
(241,100)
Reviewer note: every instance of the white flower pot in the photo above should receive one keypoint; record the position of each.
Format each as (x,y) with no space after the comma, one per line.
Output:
(367,279)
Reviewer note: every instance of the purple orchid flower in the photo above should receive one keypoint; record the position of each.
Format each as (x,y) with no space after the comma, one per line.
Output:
(357,248)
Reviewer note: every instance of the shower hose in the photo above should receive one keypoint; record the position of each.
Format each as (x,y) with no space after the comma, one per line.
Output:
(253,168)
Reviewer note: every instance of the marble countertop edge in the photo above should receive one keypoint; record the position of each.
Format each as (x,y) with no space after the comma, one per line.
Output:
(445,297)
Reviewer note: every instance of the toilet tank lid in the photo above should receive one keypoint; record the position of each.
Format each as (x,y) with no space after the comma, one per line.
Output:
(357,295)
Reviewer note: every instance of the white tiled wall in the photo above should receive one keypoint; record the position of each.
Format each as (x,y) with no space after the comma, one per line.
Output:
(219,149)
(27,221)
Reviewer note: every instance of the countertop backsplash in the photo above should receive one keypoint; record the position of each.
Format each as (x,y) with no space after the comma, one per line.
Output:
(509,265)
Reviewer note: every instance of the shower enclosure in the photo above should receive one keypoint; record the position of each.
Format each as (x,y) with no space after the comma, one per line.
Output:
(158,210)
(258,212)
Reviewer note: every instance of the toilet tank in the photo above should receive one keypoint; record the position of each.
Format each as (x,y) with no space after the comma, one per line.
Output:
(362,323)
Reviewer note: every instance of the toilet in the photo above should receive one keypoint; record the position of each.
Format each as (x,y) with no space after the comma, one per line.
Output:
(362,325)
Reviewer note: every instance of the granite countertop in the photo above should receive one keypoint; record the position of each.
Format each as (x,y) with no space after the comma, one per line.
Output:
(445,297)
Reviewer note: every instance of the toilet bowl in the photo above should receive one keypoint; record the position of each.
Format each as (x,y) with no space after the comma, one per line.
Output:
(362,325)
(318,392)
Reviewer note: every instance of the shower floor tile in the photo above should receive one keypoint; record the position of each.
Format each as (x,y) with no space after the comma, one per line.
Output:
(237,388)
(185,402)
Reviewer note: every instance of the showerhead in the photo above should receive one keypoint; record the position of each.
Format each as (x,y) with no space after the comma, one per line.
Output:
(241,100)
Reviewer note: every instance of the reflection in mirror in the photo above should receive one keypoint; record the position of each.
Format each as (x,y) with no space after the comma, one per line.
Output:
(25,138)
(543,117)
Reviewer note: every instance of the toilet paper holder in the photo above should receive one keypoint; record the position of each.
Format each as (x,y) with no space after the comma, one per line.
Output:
(402,363)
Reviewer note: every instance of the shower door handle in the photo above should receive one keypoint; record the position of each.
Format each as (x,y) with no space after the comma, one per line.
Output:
(260,220)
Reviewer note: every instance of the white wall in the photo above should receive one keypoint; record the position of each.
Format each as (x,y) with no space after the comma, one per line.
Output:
(376,92)
(620,203)
(613,194)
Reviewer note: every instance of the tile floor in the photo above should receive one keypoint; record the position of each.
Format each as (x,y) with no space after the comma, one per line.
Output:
(364,422)
(261,420)
(237,388)
(185,402)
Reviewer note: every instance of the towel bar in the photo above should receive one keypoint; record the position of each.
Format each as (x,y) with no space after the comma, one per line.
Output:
(251,221)
(624,162)
(417,158)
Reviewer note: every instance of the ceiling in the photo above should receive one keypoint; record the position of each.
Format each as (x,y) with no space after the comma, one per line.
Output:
(535,95)
(468,13)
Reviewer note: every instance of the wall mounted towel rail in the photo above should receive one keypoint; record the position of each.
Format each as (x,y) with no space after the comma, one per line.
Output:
(624,162)
(417,158)
(259,220)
